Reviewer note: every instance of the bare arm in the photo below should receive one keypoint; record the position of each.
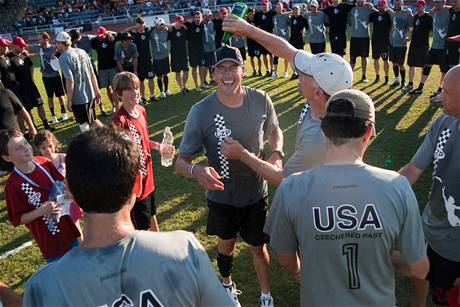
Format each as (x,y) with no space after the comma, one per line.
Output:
(411,172)
(25,116)
(69,88)
(275,140)
(97,92)
(119,66)
(417,269)
(291,262)
(46,208)
(135,64)
(8,297)
(206,176)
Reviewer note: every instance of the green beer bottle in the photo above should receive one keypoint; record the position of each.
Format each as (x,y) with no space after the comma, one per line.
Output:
(240,10)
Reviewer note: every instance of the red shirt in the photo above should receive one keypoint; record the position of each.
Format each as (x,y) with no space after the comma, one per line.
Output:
(138,129)
(53,239)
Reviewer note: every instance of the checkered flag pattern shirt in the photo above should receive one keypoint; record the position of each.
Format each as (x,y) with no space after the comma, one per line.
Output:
(224,165)
(439,151)
(304,111)
(138,139)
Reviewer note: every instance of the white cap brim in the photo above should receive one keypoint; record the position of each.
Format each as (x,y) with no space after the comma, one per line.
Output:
(302,62)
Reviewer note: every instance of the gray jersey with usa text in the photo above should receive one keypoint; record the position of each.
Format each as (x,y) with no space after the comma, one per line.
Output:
(209,36)
(281,25)
(440,26)
(359,17)
(401,22)
(344,221)
(441,217)
(142,269)
(126,56)
(46,54)
(316,27)
(159,44)
(210,121)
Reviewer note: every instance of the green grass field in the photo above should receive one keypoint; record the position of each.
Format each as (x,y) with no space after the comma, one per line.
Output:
(402,121)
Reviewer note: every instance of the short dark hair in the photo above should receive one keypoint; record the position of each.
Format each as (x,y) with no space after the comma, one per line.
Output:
(340,129)
(45,35)
(102,165)
(5,136)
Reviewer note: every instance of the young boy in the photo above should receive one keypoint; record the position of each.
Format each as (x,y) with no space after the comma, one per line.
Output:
(132,117)
(31,192)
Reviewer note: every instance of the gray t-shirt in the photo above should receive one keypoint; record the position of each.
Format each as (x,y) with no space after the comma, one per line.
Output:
(76,64)
(310,144)
(237,42)
(45,55)
(142,269)
(85,44)
(359,17)
(344,221)
(401,22)
(281,26)
(126,56)
(316,27)
(159,44)
(209,122)
(209,36)
(441,217)
(440,26)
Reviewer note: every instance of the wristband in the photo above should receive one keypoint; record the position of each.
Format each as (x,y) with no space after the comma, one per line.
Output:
(191,168)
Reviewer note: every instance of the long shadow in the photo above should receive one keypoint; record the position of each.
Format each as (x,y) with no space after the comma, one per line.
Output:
(16,242)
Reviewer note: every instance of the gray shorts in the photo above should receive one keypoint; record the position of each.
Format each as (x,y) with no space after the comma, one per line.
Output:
(106,77)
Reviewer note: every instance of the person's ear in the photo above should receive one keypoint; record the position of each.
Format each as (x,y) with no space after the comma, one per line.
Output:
(6,158)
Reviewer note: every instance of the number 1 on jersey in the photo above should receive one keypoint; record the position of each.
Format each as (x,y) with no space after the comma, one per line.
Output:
(350,250)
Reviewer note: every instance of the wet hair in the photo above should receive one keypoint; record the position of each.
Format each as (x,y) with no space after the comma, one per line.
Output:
(44,135)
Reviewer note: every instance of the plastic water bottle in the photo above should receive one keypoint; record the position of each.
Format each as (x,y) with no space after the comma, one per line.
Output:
(240,10)
(388,162)
(168,139)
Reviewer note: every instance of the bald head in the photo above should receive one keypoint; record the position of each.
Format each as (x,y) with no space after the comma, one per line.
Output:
(450,95)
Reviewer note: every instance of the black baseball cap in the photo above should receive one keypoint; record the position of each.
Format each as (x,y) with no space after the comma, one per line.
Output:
(125,36)
(74,34)
(228,53)
(139,20)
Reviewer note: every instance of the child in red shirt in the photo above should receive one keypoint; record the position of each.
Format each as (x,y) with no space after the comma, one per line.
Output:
(132,117)
(31,192)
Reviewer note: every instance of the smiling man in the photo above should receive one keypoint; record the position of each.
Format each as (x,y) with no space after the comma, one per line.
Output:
(236,195)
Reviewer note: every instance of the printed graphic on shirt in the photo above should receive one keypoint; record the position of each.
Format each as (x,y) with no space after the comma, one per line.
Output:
(137,137)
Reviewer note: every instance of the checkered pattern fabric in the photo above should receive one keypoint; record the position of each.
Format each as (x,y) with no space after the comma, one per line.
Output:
(138,139)
(224,165)
(304,111)
(34,199)
(439,152)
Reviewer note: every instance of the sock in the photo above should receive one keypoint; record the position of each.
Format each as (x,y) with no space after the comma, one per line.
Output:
(420,86)
(387,78)
(166,82)
(396,71)
(63,109)
(411,83)
(45,123)
(403,76)
(364,77)
(377,77)
(52,112)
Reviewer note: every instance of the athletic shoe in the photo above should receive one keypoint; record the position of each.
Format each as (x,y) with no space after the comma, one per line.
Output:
(377,80)
(395,83)
(162,95)
(268,74)
(185,90)
(260,73)
(436,101)
(267,301)
(54,120)
(143,102)
(204,86)
(274,75)
(285,74)
(364,80)
(254,74)
(407,88)
(435,94)
(417,91)
(64,117)
(152,99)
(233,293)
(294,77)
(168,93)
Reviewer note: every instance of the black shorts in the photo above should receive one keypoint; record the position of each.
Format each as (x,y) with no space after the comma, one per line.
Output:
(379,50)
(254,50)
(441,276)
(142,212)
(129,68)
(338,43)
(179,62)
(297,43)
(317,47)
(416,56)
(85,113)
(359,46)
(53,86)
(263,51)
(145,70)
(243,53)
(452,54)
(226,221)
(30,96)
(398,55)
(196,58)
(437,57)
(210,59)
(161,67)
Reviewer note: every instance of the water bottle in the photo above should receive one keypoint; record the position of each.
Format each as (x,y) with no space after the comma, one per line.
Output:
(388,162)
(240,10)
(168,139)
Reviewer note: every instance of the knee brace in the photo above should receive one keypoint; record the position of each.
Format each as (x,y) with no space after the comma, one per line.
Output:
(225,264)
(426,70)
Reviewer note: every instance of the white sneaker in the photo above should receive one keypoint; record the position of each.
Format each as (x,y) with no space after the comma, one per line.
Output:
(285,74)
(54,120)
(168,93)
(64,117)
(233,293)
(162,95)
(267,301)
(274,76)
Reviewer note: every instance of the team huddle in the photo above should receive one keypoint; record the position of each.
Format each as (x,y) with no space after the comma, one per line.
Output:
(329,204)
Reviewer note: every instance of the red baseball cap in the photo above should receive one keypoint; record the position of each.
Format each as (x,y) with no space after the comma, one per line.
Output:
(263,2)
(223,10)
(179,18)
(420,3)
(4,42)
(19,41)
(101,31)
(382,3)
(455,38)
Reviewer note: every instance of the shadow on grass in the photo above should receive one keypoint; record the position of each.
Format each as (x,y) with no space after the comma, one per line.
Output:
(16,242)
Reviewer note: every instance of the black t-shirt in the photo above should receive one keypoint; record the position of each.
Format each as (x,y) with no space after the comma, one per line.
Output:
(218,31)
(381,27)
(105,53)
(338,18)
(9,107)
(250,42)
(454,23)
(21,66)
(297,25)
(421,32)
(194,37)
(141,40)
(178,39)
(264,20)
(6,71)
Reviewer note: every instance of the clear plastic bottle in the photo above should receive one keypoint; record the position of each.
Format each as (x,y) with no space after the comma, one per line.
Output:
(168,139)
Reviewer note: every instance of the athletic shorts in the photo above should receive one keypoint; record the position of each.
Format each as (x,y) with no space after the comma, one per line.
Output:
(441,276)
(145,70)
(30,96)
(129,68)
(359,46)
(263,51)
(317,47)
(161,67)
(210,59)
(416,56)
(142,212)
(297,43)
(179,63)
(254,50)
(379,50)
(243,53)
(338,43)
(226,221)
(452,54)
(437,57)
(398,55)
(53,86)
(85,113)
(196,58)
(106,77)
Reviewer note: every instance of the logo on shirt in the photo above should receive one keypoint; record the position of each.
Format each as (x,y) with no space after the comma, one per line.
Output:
(197,30)
(147,298)
(21,62)
(143,37)
(336,11)
(454,17)
(264,17)
(417,22)
(294,22)
(380,18)
(104,45)
(223,133)
(178,34)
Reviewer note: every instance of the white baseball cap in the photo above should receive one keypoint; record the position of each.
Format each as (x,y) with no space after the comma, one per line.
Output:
(63,37)
(313,3)
(329,70)
(207,12)
(159,21)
